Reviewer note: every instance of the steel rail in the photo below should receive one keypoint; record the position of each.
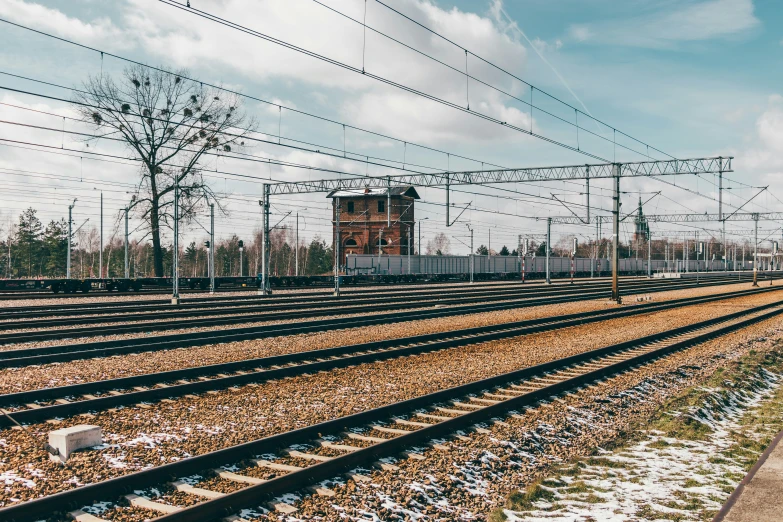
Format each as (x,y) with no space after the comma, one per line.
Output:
(669,342)
(337,309)
(96,316)
(82,350)
(87,309)
(264,368)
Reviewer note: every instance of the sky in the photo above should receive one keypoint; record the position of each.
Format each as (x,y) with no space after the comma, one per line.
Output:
(684,79)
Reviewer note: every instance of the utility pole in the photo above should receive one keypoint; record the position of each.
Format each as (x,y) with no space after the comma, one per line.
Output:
(127,266)
(649,255)
(70,239)
(420,246)
(296,250)
(337,247)
(519,255)
(388,201)
(212,248)
(409,249)
(266,287)
(100,254)
(470,262)
(616,235)
(720,214)
(698,251)
(595,247)
(755,249)
(175,256)
(548,249)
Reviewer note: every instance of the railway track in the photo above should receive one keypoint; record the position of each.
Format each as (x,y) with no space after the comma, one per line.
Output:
(82,350)
(262,471)
(57,402)
(182,319)
(103,313)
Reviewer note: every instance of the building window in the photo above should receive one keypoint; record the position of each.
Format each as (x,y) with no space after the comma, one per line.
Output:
(351,242)
(383,242)
(381,205)
(350,207)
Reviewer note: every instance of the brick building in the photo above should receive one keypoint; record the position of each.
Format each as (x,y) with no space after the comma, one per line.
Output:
(364,216)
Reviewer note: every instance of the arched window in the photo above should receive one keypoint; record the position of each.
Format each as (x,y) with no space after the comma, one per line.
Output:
(351,242)
(383,242)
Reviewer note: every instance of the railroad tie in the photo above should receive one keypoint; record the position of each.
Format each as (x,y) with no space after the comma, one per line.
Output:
(199,492)
(282,507)
(145,503)
(499,396)
(236,477)
(485,401)
(365,438)
(450,410)
(438,418)
(308,456)
(466,405)
(413,455)
(276,466)
(324,492)
(358,477)
(82,516)
(62,401)
(338,447)
(393,431)
(412,423)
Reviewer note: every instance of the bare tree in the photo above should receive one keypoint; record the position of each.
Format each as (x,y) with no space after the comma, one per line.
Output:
(440,245)
(170,124)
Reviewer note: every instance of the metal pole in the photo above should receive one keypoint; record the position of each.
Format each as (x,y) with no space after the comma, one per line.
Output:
(720,214)
(448,223)
(68,259)
(211,248)
(388,201)
(127,265)
(296,249)
(420,246)
(409,249)
(755,249)
(100,254)
(519,256)
(241,262)
(594,261)
(265,288)
(175,256)
(337,210)
(616,236)
(698,247)
(548,249)
(471,255)
(649,255)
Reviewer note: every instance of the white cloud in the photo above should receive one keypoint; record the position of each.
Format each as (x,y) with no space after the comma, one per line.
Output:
(99,31)
(688,22)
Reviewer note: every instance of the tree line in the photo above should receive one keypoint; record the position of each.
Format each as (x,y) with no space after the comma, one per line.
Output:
(29,249)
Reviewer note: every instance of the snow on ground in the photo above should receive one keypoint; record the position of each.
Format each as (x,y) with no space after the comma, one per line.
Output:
(659,477)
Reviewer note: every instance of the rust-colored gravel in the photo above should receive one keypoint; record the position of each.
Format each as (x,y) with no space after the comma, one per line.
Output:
(59,374)
(139,437)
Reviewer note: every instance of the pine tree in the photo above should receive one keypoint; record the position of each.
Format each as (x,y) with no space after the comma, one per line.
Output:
(504,251)
(482,250)
(319,258)
(28,242)
(55,248)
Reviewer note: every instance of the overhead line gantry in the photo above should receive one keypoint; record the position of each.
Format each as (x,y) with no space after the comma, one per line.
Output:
(614,171)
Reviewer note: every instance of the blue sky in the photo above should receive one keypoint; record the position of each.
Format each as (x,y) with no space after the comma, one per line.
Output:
(691,78)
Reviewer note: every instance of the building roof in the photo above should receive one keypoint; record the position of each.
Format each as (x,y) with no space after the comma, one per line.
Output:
(406,191)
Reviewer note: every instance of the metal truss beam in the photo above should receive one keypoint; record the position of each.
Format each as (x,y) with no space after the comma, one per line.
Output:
(526,175)
(681,218)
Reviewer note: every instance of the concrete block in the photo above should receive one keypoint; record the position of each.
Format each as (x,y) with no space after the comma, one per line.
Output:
(68,440)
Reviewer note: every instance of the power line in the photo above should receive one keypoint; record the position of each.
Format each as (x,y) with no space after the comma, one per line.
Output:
(257,34)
